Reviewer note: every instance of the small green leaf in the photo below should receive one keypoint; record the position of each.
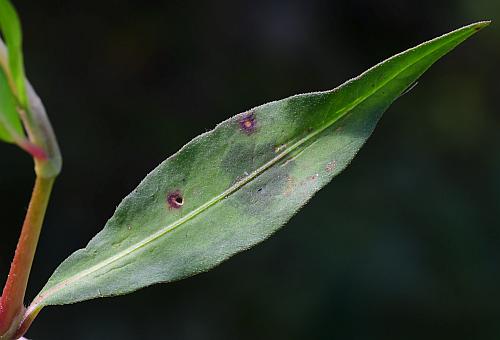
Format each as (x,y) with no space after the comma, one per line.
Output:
(11,128)
(232,187)
(11,30)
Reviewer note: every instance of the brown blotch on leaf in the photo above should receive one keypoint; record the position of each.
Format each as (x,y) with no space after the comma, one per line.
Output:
(175,200)
(331,166)
(290,185)
(248,123)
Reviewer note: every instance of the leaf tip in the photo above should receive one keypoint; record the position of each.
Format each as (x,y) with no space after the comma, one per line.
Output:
(481,24)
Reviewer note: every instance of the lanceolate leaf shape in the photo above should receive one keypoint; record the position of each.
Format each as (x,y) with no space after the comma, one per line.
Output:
(234,186)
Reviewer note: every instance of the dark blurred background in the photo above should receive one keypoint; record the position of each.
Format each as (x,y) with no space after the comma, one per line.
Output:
(403,245)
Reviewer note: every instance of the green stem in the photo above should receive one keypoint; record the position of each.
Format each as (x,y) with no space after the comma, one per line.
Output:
(12,300)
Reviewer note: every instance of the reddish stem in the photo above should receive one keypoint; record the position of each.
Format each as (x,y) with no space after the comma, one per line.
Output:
(12,300)
(35,151)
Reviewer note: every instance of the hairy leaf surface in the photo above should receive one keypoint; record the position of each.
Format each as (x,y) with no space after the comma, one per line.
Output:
(234,186)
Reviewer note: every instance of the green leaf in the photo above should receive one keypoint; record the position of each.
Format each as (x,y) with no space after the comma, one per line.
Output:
(10,124)
(11,30)
(232,187)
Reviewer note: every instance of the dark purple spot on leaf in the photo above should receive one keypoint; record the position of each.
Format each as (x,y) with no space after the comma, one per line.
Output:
(248,123)
(175,199)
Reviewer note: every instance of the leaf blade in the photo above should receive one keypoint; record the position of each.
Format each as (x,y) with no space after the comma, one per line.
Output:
(11,129)
(272,160)
(10,26)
